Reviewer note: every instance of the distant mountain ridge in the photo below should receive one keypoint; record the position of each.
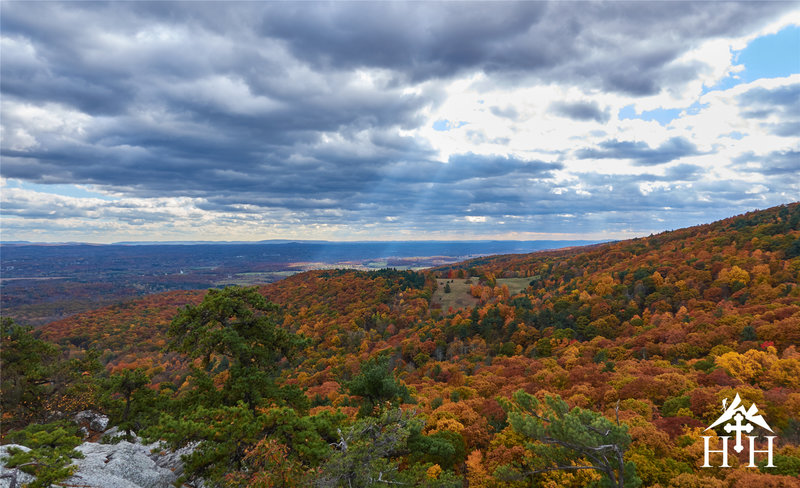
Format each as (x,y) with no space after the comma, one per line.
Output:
(554,242)
(194,243)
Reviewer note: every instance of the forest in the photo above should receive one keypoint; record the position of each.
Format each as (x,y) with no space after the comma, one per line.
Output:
(606,369)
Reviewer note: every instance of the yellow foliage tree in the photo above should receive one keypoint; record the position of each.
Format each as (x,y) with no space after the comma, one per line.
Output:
(734,277)
(476,472)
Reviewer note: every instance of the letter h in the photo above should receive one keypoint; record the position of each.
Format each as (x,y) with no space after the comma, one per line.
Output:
(724,452)
(753,451)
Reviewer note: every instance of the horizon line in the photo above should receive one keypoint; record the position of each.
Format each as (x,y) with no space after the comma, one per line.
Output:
(288,241)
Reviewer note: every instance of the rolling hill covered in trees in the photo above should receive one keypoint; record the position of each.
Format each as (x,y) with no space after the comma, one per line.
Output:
(601,365)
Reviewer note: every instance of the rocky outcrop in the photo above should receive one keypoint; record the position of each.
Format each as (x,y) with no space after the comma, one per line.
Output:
(121,465)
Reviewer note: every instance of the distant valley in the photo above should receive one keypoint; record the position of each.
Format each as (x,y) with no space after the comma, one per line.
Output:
(40,283)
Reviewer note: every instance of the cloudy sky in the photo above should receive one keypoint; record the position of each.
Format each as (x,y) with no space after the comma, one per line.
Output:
(373,121)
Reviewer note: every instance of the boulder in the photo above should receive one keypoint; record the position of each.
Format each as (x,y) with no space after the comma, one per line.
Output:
(96,421)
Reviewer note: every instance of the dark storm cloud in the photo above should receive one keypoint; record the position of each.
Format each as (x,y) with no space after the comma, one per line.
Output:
(782,102)
(187,112)
(301,106)
(461,167)
(787,97)
(776,163)
(683,172)
(632,52)
(641,153)
(786,129)
(581,111)
(466,166)
(418,40)
(465,179)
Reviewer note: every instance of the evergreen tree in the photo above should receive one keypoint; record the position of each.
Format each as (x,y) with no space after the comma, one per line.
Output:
(28,368)
(564,439)
(368,454)
(237,325)
(128,383)
(376,384)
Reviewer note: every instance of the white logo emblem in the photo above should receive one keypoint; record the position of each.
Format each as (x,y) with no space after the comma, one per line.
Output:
(736,414)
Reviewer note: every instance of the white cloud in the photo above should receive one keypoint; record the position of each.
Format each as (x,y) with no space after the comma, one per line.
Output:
(23,122)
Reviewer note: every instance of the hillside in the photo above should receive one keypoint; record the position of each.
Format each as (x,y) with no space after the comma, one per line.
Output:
(655,332)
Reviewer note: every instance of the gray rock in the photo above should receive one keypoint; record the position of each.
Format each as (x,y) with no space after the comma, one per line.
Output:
(4,449)
(122,465)
(12,478)
(96,421)
(100,423)
(171,460)
(112,432)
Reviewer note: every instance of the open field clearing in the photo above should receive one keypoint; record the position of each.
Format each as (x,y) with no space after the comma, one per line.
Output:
(459,296)
(515,285)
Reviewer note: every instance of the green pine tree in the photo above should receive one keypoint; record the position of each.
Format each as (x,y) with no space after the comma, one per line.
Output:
(239,326)
(376,384)
(569,439)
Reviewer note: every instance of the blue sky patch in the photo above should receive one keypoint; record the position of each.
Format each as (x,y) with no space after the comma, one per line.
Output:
(661,115)
(772,56)
(445,125)
(59,189)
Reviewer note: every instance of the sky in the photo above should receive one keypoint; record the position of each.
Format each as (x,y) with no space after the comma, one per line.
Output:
(148,121)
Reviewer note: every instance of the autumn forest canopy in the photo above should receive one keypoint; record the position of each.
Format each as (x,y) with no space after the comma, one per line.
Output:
(591,366)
